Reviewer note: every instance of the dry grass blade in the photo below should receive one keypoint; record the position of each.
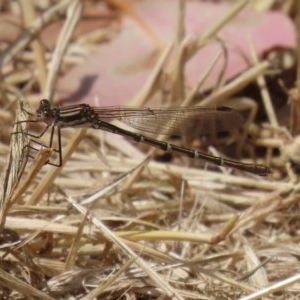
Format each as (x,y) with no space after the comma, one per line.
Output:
(17,156)
(151,85)
(12,189)
(170,292)
(273,288)
(237,84)
(39,53)
(73,15)
(31,31)
(9,281)
(109,281)
(212,32)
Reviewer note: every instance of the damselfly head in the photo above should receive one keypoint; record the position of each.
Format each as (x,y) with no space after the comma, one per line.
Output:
(44,112)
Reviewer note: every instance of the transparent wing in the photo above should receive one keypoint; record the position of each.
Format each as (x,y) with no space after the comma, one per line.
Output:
(174,120)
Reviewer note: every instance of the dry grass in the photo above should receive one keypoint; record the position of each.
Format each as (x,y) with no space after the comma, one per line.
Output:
(137,228)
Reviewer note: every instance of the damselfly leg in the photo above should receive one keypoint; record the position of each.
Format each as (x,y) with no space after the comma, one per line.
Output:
(35,140)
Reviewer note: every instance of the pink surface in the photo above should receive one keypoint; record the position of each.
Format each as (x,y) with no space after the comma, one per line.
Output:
(116,73)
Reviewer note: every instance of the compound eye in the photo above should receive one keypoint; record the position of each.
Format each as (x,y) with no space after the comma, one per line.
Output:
(44,110)
(44,105)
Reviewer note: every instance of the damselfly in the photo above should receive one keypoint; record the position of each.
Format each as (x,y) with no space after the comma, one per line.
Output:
(153,120)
